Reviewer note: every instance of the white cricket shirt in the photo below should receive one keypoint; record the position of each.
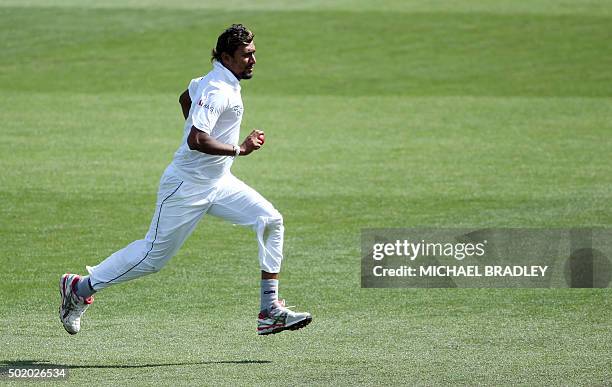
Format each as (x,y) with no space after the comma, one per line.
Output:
(216,108)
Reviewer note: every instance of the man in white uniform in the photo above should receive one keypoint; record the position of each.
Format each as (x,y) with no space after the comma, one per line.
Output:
(199,181)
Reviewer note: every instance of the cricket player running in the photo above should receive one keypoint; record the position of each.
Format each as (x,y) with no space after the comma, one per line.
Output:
(198,181)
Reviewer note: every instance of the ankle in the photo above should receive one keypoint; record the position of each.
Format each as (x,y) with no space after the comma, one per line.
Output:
(269,293)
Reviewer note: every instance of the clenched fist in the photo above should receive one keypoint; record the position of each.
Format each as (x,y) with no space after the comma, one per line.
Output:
(252,142)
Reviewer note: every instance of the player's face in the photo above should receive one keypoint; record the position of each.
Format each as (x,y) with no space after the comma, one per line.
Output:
(243,61)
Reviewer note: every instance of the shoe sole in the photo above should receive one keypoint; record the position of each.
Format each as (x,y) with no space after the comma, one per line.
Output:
(293,327)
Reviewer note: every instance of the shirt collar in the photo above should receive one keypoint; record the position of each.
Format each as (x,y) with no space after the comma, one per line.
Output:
(227,75)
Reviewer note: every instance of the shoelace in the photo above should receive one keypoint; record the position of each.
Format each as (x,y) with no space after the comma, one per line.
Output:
(78,305)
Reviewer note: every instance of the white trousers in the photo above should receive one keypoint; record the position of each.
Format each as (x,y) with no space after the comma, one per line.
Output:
(180,205)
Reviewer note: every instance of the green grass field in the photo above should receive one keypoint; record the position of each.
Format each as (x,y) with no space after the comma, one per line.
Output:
(406,114)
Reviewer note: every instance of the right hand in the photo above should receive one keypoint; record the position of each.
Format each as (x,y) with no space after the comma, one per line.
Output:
(251,142)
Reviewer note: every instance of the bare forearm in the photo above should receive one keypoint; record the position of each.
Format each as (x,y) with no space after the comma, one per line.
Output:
(204,143)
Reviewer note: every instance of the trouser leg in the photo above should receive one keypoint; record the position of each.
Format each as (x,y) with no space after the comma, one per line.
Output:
(240,204)
(176,215)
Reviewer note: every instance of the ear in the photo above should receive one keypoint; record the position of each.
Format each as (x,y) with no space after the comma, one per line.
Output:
(226,58)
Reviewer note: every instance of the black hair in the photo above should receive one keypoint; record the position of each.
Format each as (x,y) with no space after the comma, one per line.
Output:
(235,36)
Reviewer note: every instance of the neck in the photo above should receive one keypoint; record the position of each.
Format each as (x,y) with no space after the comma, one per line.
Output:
(236,75)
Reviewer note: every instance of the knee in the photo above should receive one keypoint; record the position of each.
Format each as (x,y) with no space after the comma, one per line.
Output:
(276,221)
(270,224)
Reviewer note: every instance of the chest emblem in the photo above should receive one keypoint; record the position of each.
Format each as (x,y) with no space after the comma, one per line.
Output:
(238,109)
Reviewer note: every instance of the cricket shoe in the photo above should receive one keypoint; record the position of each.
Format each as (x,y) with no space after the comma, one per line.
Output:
(72,307)
(278,318)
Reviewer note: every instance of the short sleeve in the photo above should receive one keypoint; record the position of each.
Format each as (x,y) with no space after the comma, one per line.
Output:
(208,109)
(193,87)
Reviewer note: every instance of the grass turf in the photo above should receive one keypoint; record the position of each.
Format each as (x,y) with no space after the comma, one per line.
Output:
(408,115)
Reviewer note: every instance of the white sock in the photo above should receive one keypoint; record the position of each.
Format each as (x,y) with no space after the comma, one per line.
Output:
(269,293)
(83,288)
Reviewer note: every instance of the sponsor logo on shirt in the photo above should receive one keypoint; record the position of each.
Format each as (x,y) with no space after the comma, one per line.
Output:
(206,106)
(238,109)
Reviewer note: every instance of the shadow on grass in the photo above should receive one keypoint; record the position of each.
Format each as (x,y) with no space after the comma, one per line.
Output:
(46,364)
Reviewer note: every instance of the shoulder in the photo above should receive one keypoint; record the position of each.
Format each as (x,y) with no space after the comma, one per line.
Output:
(213,98)
(217,95)
(193,87)
(195,81)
